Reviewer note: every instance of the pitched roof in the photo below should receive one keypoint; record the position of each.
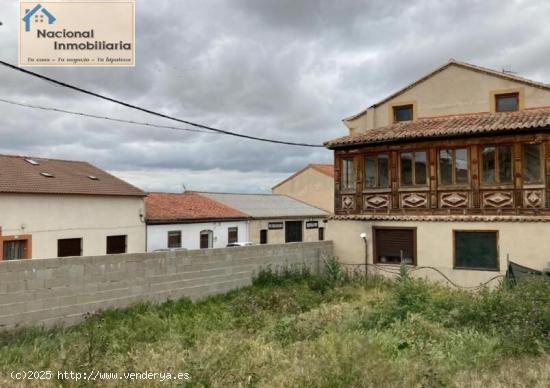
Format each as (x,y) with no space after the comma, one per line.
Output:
(189,206)
(53,176)
(449,126)
(464,65)
(266,205)
(327,169)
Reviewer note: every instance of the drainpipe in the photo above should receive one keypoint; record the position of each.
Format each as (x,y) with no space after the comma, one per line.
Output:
(364,238)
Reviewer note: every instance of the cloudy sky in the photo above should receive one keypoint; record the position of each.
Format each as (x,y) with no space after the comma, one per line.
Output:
(285,69)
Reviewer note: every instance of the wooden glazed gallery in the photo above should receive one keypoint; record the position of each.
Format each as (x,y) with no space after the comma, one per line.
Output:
(505,174)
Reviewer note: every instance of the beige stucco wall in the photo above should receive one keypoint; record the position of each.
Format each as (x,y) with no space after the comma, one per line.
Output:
(455,90)
(51,217)
(312,187)
(277,236)
(525,243)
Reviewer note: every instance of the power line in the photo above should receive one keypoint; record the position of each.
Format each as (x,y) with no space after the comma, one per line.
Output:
(105,117)
(128,105)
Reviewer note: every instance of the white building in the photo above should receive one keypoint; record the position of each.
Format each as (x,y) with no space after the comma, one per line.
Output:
(192,221)
(55,208)
(276,218)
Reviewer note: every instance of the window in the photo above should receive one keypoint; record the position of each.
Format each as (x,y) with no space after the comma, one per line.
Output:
(402,113)
(116,244)
(293,231)
(532,164)
(232,235)
(321,234)
(263,236)
(414,168)
(453,166)
(15,249)
(206,239)
(476,250)
(348,174)
(377,171)
(394,245)
(507,102)
(174,239)
(496,164)
(69,247)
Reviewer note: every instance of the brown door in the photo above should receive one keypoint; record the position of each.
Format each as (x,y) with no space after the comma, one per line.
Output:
(232,235)
(321,234)
(206,240)
(394,245)
(263,236)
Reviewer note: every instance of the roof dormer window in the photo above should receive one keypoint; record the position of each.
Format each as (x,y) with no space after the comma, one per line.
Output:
(508,102)
(402,113)
(32,161)
(47,175)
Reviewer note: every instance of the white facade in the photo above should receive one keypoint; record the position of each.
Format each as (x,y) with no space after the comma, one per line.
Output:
(45,218)
(157,235)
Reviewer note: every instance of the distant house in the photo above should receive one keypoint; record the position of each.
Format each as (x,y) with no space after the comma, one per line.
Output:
(313,184)
(190,220)
(275,218)
(194,220)
(56,208)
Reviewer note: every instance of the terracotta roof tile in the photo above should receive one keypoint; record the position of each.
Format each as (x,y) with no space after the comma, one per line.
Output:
(449,126)
(17,175)
(173,207)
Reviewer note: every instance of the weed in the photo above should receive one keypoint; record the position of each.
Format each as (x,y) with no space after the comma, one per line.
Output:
(295,328)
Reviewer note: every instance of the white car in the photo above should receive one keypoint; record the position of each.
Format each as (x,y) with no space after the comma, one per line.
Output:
(240,244)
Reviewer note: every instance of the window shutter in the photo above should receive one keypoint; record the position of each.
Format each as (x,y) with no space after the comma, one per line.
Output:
(392,244)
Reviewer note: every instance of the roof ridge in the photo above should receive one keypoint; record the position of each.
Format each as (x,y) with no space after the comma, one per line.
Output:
(226,193)
(42,158)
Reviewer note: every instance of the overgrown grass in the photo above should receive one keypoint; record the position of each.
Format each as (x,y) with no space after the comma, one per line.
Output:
(295,329)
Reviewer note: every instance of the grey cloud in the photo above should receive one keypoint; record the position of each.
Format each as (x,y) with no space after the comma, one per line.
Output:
(280,69)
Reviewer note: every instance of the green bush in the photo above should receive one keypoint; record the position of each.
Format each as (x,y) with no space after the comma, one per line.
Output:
(280,275)
(518,316)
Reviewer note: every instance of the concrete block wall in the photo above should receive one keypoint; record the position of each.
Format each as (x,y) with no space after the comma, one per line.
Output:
(60,291)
